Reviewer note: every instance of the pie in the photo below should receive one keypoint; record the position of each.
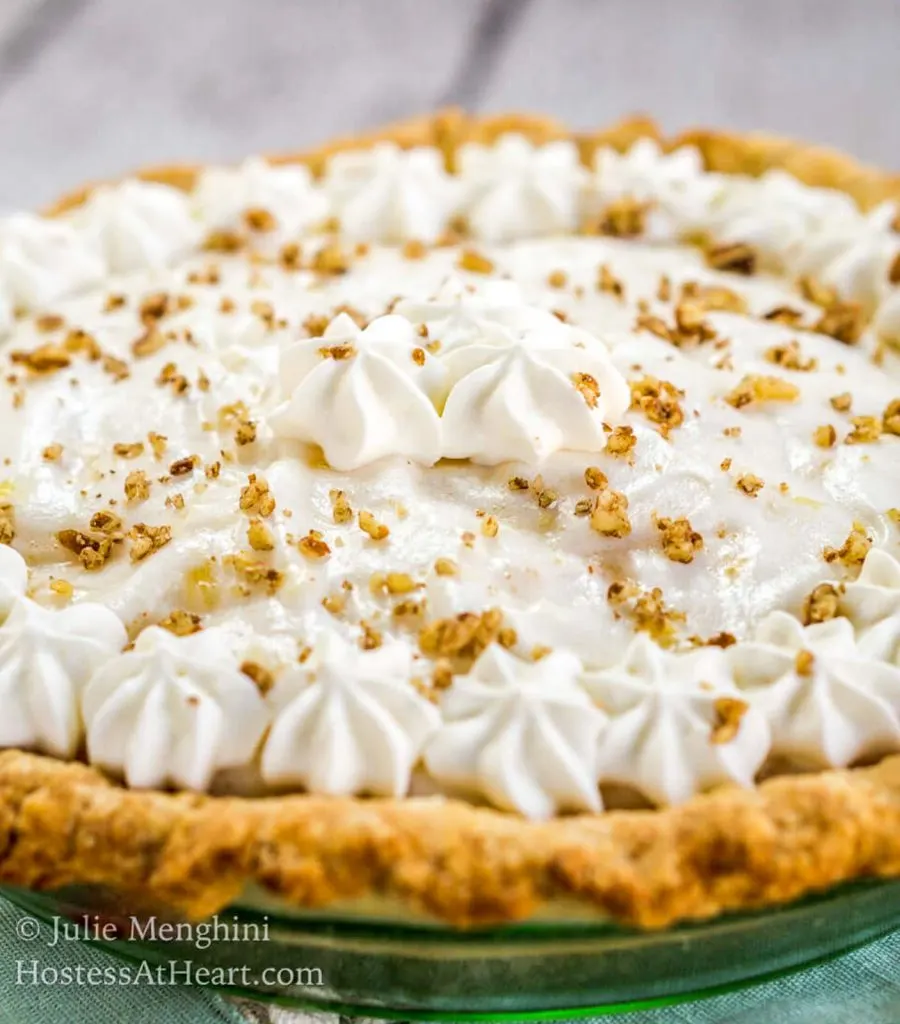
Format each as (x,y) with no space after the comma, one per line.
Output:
(475,518)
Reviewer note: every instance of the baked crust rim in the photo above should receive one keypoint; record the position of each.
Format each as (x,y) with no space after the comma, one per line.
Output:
(64,823)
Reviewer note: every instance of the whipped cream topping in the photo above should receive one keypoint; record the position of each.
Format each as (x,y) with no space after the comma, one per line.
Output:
(46,658)
(887,317)
(390,194)
(382,485)
(173,711)
(13,578)
(523,734)
(43,260)
(872,604)
(680,194)
(784,219)
(677,723)
(525,395)
(516,189)
(348,721)
(827,701)
(474,310)
(260,196)
(362,394)
(138,225)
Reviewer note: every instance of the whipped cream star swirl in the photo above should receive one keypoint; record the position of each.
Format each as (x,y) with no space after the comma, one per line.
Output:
(861,259)
(515,189)
(523,734)
(872,603)
(43,260)
(362,394)
(463,312)
(828,702)
(173,711)
(527,395)
(138,225)
(46,658)
(674,185)
(13,578)
(677,723)
(792,224)
(348,722)
(260,196)
(390,194)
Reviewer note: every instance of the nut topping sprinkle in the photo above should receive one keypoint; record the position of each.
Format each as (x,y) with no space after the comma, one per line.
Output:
(735,257)
(755,389)
(680,541)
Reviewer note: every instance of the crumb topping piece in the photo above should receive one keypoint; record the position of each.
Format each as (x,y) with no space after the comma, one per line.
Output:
(680,541)
(369,525)
(790,357)
(755,389)
(341,512)
(821,604)
(587,387)
(749,484)
(736,257)
(146,540)
(623,218)
(659,401)
(256,499)
(462,638)
(825,436)
(259,536)
(475,262)
(621,442)
(866,429)
(182,623)
(729,713)
(853,551)
(646,610)
(609,515)
(595,478)
(313,545)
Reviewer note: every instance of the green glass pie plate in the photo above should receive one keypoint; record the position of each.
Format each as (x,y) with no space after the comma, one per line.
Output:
(536,970)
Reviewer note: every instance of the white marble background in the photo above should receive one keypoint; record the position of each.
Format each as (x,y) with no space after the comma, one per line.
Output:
(90,88)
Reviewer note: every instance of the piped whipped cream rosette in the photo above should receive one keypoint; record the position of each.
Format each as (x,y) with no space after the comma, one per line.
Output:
(515,189)
(872,603)
(465,310)
(519,385)
(47,656)
(522,395)
(174,710)
(677,723)
(828,702)
(390,194)
(675,193)
(523,734)
(362,394)
(260,198)
(138,225)
(13,578)
(42,261)
(348,722)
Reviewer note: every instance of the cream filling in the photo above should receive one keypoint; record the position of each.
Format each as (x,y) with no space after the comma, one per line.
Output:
(524,551)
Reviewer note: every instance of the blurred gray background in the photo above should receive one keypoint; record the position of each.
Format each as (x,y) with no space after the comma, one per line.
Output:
(90,88)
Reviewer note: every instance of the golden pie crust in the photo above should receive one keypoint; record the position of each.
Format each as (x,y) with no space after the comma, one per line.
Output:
(65,823)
